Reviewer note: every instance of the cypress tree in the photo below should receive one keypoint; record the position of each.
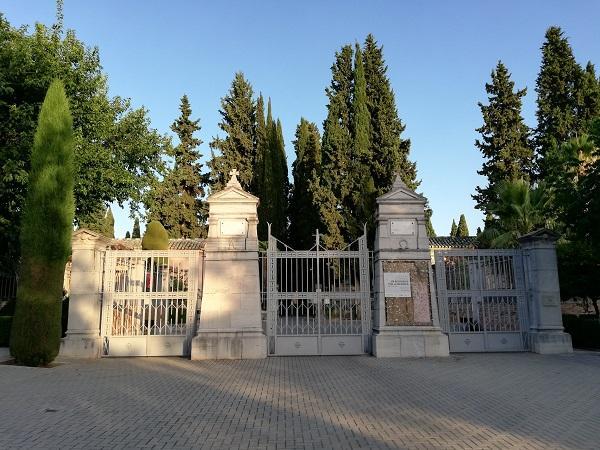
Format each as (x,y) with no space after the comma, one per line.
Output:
(135,234)
(556,86)
(109,224)
(428,224)
(237,149)
(361,126)
(47,226)
(304,212)
(453,229)
(504,142)
(271,180)
(362,148)
(588,98)
(360,203)
(262,180)
(390,152)
(333,188)
(280,185)
(463,229)
(127,235)
(99,222)
(176,202)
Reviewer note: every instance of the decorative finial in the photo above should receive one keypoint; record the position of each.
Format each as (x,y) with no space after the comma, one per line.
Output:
(398,183)
(233,182)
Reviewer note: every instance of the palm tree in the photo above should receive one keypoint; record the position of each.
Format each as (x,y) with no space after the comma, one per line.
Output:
(520,209)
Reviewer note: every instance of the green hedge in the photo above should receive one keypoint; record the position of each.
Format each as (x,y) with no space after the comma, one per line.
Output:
(6,321)
(5,324)
(584,330)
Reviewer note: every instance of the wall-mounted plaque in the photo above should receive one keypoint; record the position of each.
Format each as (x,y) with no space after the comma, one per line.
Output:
(402,227)
(233,227)
(397,284)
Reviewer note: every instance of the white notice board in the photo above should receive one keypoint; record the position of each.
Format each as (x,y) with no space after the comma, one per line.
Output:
(396,284)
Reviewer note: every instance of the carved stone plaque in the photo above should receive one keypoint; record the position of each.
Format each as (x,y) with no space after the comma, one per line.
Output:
(402,227)
(233,227)
(397,284)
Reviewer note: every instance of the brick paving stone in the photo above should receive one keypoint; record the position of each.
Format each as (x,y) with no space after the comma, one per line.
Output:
(479,401)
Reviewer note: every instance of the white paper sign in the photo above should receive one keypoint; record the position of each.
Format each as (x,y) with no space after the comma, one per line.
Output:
(233,227)
(397,284)
(402,227)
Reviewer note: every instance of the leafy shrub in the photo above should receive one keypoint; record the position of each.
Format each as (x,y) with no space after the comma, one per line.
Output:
(584,330)
(155,237)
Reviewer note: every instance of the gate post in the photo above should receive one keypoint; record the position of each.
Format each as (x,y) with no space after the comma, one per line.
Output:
(406,322)
(546,333)
(230,324)
(83,338)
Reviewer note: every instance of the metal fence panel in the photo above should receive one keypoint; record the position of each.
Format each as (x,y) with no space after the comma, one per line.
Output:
(316,301)
(481,299)
(149,302)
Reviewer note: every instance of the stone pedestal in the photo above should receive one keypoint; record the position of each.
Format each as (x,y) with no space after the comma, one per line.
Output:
(546,333)
(83,338)
(406,322)
(230,319)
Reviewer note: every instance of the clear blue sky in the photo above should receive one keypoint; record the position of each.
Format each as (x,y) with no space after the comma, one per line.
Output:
(439,54)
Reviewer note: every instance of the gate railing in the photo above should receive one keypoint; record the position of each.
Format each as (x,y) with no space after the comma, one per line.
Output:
(150,293)
(8,286)
(316,292)
(482,291)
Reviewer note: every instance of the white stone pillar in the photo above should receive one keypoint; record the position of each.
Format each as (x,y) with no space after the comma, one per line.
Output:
(230,324)
(83,339)
(406,320)
(546,333)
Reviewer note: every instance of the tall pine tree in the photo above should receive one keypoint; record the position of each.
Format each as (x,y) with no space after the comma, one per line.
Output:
(304,213)
(237,150)
(557,102)
(390,152)
(176,201)
(505,143)
(337,144)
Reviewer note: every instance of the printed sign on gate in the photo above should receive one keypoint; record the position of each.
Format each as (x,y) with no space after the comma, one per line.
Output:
(397,284)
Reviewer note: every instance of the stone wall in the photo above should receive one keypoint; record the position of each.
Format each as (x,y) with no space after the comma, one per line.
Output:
(415,310)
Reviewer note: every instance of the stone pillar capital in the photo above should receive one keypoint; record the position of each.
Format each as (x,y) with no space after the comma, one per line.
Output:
(84,239)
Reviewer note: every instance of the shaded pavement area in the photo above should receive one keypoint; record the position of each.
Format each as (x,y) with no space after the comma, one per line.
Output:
(518,400)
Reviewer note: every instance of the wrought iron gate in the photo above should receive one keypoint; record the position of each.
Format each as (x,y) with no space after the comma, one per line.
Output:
(149,302)
(481,299)
(318,300)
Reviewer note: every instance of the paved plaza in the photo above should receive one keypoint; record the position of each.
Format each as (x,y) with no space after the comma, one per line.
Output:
(465,401)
